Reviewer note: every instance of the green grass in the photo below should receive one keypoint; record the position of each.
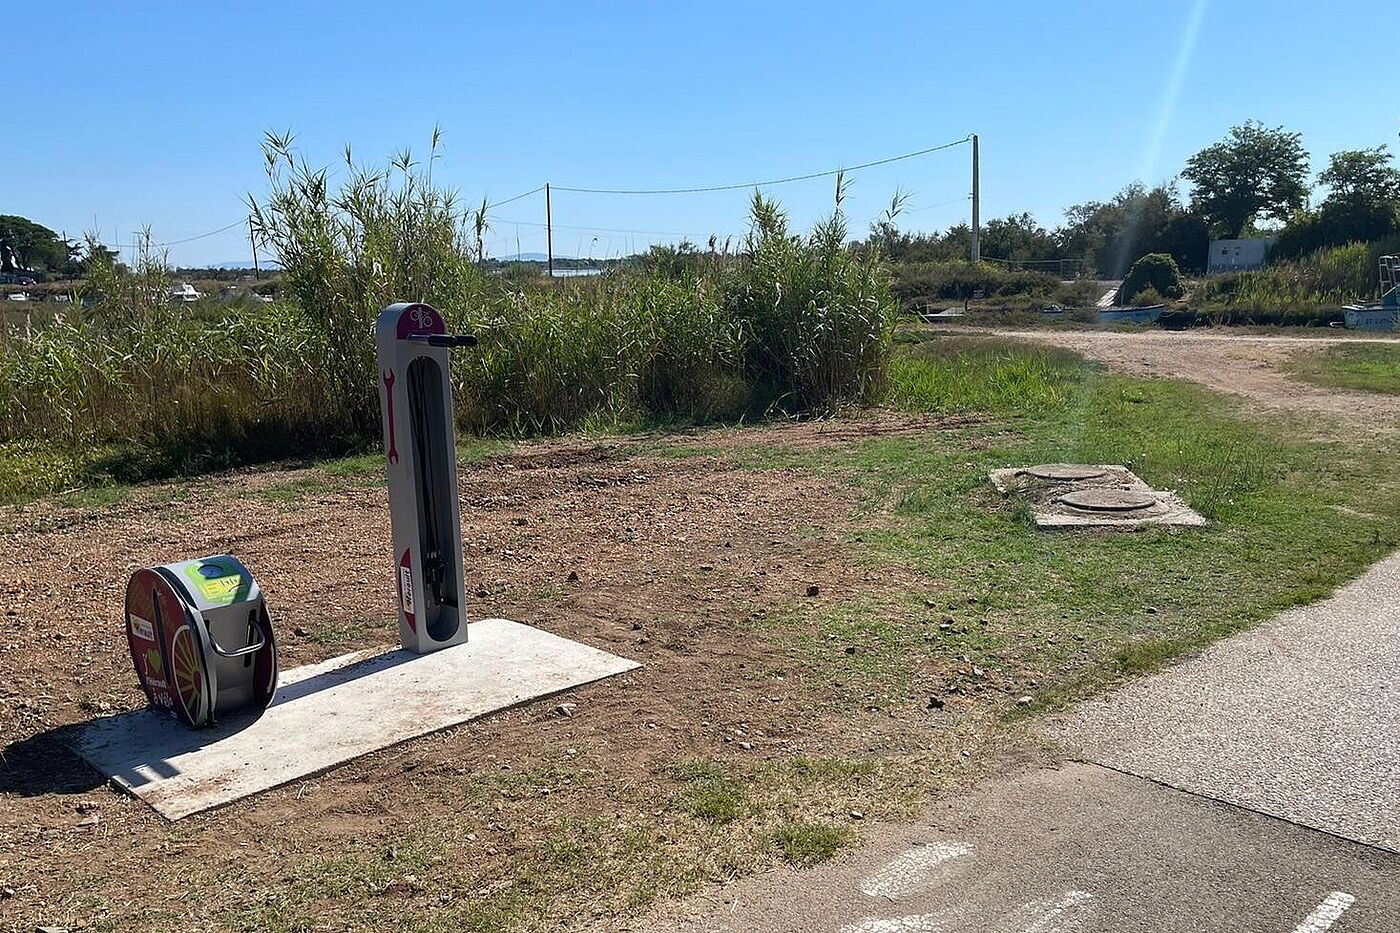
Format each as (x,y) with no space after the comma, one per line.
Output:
(710,793)
(538,849)
(97,497)
(1364,367)
(957,375)
(1058,615)
(806,844)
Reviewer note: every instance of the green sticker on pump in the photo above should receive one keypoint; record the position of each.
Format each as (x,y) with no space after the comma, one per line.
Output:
(216,582)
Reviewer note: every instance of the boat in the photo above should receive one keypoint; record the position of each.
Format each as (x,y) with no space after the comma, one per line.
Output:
(1369,317)
(1383,315)
(183,292)
(1149,314)
(931,317)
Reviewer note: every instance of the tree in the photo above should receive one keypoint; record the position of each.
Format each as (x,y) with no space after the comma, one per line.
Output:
(1018,238)
(1110,236)
(1361,175)
(1255,172)
(34,247)
(1362,205)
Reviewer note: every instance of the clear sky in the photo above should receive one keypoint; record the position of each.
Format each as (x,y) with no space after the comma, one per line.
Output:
(122,115)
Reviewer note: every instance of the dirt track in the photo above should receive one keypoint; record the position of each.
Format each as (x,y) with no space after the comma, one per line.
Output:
(1241,364)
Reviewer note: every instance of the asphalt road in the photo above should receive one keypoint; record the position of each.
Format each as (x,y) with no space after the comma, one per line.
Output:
(1299,718)
(1254,789)
(1081,848)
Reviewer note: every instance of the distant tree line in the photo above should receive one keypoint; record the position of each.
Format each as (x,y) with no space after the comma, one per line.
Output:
(1254,182)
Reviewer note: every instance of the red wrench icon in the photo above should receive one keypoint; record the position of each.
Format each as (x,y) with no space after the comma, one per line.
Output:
(389,408)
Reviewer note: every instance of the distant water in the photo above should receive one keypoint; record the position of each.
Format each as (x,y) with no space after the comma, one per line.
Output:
(572,273)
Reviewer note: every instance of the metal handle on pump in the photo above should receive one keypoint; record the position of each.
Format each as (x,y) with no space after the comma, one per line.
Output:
(444,340)
(239,652)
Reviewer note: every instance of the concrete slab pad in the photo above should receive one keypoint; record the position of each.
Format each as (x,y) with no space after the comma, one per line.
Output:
(329,713)
(1075,495)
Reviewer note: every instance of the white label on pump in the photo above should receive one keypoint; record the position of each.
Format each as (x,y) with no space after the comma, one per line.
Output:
(142,628)
(406,587)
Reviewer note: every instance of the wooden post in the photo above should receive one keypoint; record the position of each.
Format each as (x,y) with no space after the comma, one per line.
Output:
(548,231)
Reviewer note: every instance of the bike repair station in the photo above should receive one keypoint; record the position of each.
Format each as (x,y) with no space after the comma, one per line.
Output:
(224,723)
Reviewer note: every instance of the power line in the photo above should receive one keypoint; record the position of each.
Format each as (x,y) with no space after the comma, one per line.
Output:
(201,236)
(534,223)
(626,191)
(763,184)
(929,207)
(188,239)
(491,204)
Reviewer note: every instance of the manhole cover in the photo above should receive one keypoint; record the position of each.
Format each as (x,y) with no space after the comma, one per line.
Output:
(1108,500)
(1064,472)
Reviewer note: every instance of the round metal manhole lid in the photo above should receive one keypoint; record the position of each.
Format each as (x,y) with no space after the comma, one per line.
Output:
(1064,472)
(1108,500)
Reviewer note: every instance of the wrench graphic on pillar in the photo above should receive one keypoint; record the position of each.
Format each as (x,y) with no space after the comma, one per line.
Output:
(389,410)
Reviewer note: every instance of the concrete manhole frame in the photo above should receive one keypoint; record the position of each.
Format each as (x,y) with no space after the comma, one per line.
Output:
(1073,495)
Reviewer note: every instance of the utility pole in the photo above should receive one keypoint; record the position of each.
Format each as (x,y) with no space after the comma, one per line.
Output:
(254,244)
(976,205)
(548,230)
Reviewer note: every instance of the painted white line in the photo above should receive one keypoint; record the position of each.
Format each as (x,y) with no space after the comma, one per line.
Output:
(1057,917)
(1326,913)
(919,923)
(913,870)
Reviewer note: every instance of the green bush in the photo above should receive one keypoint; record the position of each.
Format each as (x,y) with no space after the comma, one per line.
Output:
(388,234)
(1147,298)
(918,282)
(1156,271)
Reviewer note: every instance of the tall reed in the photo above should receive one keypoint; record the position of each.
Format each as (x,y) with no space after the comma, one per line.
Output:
(798,323)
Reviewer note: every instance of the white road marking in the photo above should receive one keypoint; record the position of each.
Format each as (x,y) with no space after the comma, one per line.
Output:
(919,923)
(1049,921)
(912,870)
(1044,916)
(1326,913)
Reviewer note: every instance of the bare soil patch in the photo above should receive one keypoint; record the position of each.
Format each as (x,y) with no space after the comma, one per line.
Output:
(653,550)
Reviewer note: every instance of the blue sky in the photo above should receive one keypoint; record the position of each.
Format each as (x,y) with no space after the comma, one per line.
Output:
(123,115)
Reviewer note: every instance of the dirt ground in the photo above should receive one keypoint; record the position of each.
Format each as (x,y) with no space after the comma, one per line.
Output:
(658,552)
(1247,365)
(657,548)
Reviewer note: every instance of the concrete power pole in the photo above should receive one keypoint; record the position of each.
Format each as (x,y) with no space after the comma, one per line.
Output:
(976,205)
(548,231)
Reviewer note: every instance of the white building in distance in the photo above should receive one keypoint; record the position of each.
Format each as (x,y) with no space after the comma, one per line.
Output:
(1237,255)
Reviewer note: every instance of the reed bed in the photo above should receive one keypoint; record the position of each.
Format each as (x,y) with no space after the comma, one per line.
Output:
(791,323)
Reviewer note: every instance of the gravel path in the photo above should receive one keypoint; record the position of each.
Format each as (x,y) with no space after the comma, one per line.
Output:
(1241,364)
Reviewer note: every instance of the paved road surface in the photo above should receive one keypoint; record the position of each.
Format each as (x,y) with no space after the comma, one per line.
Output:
(1080,849)
(1255,788)
(1299,718)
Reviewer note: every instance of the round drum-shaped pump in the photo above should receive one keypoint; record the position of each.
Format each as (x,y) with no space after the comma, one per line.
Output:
(201,639)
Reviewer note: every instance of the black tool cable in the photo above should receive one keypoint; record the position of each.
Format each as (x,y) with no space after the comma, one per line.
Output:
(432,552)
